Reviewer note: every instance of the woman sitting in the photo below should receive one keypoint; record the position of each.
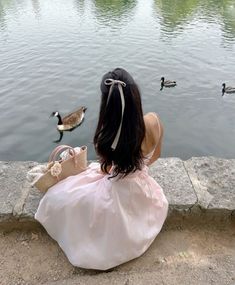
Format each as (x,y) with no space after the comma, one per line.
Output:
(111,212)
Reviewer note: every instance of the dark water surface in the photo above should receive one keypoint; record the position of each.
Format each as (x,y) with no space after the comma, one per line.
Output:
(53,54)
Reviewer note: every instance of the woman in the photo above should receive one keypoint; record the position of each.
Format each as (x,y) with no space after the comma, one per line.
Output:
(112,212)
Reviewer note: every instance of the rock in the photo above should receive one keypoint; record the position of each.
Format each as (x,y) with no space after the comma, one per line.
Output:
(34,236)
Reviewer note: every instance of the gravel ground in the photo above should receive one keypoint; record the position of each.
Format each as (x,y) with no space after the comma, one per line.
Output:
(179,255)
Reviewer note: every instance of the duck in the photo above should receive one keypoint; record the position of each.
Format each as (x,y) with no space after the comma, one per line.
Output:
(167,83)
(70,121)
(227,89)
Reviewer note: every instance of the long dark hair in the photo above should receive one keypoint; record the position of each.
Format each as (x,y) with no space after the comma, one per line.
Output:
(127,157)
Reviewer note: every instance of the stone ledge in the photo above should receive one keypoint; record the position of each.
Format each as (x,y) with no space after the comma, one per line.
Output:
(171,175)
(198,187)
(14,188)
(213,180)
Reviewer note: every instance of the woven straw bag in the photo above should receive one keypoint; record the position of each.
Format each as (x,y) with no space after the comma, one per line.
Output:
(58,170)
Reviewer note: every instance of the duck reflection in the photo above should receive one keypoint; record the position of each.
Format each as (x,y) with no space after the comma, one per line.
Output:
(60,138)
(61,133)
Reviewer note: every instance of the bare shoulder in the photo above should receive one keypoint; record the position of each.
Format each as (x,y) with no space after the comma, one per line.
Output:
(154,129)
(152,120)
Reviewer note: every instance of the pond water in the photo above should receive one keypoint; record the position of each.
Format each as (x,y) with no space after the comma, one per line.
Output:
(53,54)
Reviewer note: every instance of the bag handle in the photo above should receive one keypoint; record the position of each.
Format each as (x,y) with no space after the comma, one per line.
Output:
(58,149)
(75,157)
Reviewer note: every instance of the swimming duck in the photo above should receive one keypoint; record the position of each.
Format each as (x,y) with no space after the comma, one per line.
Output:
(228,89)
(71,121)
(167,83)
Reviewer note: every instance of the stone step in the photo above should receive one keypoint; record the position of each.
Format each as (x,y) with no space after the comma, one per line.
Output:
(200,186)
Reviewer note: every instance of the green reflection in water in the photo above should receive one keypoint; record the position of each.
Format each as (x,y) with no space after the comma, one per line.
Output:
(176,13)
(36,8)
(9,7)
(3,4)
(220,10)
(13,8)
(114,10)
(114,6)
(228,16)
(80,6)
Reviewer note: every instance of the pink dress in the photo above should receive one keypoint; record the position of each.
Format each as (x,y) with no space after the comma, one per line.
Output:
(100,223)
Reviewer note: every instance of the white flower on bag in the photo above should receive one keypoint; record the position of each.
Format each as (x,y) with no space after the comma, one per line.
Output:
(56,169)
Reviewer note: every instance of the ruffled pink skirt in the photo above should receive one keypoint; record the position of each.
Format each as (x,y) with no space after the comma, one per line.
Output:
(100,223)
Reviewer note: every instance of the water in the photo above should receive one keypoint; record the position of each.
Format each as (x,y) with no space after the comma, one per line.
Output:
(53,54)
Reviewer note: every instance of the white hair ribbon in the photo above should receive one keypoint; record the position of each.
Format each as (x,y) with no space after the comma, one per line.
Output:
(121,84)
